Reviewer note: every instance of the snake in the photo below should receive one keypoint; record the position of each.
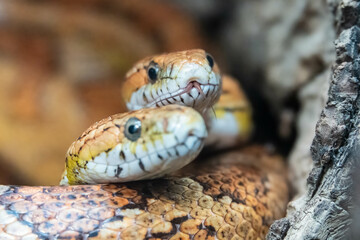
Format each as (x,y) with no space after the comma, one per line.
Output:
(137,164)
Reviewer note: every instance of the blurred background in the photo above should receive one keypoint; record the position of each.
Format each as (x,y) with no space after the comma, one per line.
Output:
(62,64)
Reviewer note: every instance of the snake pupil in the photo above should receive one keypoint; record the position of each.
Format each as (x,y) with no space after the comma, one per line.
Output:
(210,59)
(152,71)
(133,129)
(152,74)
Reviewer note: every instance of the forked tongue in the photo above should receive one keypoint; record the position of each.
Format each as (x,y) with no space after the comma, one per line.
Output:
(194,84)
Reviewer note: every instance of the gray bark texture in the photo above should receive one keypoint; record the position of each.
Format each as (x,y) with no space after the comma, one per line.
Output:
(327,207)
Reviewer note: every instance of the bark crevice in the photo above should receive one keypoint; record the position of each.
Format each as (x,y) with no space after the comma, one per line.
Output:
(325,213)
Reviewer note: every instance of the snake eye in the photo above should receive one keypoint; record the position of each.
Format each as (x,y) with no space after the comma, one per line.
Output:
(152,71)
(210,60)
(133,129)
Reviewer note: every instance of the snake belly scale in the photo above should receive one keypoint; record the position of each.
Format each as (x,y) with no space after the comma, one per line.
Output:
(231,195)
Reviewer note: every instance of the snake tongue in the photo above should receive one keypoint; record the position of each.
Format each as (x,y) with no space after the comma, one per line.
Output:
(196,85)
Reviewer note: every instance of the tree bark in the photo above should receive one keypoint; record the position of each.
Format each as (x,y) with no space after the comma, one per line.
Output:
(327,205)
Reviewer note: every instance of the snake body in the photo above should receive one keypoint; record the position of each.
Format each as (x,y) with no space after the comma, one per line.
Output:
(233,195)
(236,195)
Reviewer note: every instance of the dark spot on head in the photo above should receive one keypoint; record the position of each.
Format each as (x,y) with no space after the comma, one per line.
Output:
(118,171)
(122,155)
(141,165)
(144,97)
(177,152)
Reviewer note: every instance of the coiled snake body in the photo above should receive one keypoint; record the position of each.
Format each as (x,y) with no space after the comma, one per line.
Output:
(231,195)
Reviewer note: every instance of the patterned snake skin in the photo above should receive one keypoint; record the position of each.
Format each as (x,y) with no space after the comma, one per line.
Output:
(235,195)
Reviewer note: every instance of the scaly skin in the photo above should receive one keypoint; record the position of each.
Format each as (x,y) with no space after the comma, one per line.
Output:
(231,118)
(103,154)
(170,138)
(236,195)
(223,103)
(176,71)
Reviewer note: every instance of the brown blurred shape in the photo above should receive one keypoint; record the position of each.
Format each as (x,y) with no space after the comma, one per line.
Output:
(61,66)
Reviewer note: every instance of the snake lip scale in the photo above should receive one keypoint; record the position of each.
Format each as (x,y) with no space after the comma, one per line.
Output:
(193,92)
(165,153)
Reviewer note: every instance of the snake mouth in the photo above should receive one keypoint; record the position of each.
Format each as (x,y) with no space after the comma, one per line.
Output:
(192,95)
(151,165)
(194,84)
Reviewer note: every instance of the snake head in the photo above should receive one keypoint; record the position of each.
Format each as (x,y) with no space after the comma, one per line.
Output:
(137,145)
(189,78)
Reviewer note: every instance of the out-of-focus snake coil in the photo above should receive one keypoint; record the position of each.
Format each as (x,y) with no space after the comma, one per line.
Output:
(236,195)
